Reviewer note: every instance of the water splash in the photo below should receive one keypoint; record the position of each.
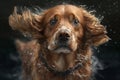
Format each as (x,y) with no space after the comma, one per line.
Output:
(96,65)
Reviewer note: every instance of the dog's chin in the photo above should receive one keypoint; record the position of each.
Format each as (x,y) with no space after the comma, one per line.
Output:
(64,50)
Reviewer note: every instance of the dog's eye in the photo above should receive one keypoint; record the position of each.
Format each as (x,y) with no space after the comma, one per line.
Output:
(75,21)
(53,21)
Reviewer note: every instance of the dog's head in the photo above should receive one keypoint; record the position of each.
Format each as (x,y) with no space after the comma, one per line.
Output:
(63,27)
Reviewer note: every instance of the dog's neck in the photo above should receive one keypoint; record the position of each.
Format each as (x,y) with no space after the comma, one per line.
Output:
(63,63)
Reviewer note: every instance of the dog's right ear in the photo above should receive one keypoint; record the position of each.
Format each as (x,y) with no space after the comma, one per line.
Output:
(27,23)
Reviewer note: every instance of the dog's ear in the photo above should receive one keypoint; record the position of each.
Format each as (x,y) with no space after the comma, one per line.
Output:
(95,33)
(27,23)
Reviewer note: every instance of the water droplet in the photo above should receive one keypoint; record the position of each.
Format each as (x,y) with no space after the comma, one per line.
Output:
(111,30)
(106,44)
(98,51)
(53,66)
(95,48)
(31,53)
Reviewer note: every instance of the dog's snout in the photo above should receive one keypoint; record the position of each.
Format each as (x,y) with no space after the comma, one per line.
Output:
(63,37)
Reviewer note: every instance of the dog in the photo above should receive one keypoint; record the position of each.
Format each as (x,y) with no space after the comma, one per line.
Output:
(61,41)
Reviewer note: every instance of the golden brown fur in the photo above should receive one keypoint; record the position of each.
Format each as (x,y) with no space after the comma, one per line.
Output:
(63,35)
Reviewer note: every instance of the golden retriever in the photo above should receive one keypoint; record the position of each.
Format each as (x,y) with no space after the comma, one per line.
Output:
(61,41)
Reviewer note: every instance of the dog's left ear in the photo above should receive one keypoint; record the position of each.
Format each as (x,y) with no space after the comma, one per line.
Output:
(27,23)
(95,33)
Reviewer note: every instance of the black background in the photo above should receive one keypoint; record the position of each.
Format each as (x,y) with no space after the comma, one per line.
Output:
(108,54)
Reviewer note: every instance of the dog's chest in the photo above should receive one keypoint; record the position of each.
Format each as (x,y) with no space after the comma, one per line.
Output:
(60,63)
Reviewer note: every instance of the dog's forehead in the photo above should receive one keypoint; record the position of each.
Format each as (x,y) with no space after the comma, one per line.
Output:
(64,9)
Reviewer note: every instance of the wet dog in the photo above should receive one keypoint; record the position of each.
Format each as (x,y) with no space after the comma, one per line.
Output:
(60,48)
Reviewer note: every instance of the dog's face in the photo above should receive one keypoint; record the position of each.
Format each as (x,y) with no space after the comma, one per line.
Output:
(64,27)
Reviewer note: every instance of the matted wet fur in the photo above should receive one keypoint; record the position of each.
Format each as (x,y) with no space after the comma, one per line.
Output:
(61,41)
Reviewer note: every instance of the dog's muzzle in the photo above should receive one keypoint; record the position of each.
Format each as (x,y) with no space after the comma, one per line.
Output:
(62,40)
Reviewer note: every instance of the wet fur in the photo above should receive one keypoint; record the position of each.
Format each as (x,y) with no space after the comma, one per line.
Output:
(90,33)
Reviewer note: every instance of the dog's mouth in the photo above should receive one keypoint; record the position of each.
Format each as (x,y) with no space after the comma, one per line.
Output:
(62,49)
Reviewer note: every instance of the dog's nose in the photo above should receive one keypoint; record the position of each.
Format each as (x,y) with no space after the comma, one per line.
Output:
(63,37)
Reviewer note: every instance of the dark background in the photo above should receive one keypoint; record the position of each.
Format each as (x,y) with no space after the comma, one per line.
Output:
(108,54)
